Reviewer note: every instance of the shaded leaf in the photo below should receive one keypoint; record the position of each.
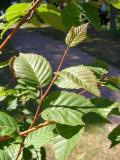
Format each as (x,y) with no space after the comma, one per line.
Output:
(100,67)
(65,104)
(67,139)
(92,15)
(114,136)
(112,83)
(4,64)
(71,16)
(8,126)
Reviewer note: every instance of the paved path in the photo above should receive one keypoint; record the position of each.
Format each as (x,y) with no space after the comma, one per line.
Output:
(32,41)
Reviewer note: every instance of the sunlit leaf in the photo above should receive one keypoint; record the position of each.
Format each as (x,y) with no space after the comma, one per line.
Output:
(4,155)
(51,15)
(78,77)
(34,69)
(76,35)
(39,137)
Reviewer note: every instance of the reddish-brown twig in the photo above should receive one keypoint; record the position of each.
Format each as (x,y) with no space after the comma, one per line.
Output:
(49,87)
(22,21)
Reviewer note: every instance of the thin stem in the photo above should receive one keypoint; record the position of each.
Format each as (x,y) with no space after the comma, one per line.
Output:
(23,20)
(82,92)
(20,150)
(49,87)
(46,123)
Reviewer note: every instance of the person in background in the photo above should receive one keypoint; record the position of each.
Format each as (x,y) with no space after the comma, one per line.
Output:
(104,13)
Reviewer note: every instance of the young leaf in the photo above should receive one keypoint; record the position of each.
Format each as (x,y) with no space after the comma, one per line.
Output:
(114,136)
(39,137)
(34,69)
(78,77)
(67,139)
(76,35)
(92,15)
(71,16)
(4,155)
(8,126)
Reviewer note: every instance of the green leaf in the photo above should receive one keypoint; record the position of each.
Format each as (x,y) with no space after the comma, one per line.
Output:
(65,99)
(71,16)
(78,77)
(62,105)
(34,69)
(4,64)
(63,116)
(58,103)
(100,67)
(39,137)
(115,79)
(12,151)
(4,155)
(114,136)
(16,11)
(115,3)
(65,142)
(51,15)
(8,125)
(7,92)
(92,15)
(112,83)
(103,106)
(76,35)
(8,25)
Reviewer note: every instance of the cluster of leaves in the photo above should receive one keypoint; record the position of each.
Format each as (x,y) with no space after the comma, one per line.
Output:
(63,113)
(63,19)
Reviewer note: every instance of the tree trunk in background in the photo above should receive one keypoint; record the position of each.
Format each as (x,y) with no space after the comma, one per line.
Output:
(112,19)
